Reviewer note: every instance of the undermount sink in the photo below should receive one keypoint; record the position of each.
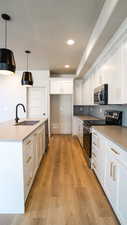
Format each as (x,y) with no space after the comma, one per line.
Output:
(27,123)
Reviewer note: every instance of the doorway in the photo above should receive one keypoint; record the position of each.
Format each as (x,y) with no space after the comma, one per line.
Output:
(61,114)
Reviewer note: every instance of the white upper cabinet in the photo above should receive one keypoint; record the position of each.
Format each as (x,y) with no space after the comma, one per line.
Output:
(112,72)
(124,71)
(78,95)
(87,91)
(61,86)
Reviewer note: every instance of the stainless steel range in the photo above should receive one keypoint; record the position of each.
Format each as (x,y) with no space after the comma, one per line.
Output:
(111,118)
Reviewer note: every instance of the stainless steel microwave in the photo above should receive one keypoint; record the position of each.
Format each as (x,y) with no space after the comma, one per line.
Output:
(101,95)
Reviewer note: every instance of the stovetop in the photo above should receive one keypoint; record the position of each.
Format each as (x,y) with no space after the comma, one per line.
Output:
(90,123)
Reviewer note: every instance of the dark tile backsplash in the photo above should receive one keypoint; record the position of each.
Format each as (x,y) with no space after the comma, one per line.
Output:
(98,111)
(79,110)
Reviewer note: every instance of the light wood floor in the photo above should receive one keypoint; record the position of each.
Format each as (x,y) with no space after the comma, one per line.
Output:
(65,191)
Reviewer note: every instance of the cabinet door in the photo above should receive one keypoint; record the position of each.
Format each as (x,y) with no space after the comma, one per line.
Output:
(54,86)
(124,72)
(79,129)
(78,95)
(101,159)
(99,156)
(113,72)
(66,86)
(81,132)
(122,192)
(61,86)
(35,152)
(28,161)
(40,145)
(111,177)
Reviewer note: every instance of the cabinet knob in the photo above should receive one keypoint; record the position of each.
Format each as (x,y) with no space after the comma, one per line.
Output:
(94,166)
(94,154)
(94,143)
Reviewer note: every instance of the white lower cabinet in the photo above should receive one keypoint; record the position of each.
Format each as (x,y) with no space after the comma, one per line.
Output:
(28,161)
(111,178)
(98,156)
(78,129)
(110,165)
(33,150)
(122,193)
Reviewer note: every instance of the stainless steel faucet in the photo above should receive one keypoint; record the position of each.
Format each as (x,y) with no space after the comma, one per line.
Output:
(17,119)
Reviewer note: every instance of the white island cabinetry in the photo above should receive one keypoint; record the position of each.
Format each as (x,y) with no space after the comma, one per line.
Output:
(21,155)
(33,150)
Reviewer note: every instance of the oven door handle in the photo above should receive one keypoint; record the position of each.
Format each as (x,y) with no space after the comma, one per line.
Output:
(99,98)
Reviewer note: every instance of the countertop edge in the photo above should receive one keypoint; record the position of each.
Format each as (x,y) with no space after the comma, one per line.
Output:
(20,140)
(111,139)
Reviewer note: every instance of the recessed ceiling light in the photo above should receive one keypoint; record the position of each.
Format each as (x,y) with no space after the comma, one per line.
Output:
(70,42)
(67,66)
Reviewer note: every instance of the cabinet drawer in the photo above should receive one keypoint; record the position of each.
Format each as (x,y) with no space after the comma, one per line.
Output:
(27,186)
(120,154)
(94,138)
(28,147)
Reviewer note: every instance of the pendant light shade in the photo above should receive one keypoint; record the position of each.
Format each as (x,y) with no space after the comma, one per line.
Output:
(27,79)
(7,61)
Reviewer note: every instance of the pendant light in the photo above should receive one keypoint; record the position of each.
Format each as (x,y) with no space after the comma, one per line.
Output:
(27,79)
(7,61)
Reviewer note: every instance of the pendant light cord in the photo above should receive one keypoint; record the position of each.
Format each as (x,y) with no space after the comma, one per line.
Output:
(5,33)
(27,55)
(27,61)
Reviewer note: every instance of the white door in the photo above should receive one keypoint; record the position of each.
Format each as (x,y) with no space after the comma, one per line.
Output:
(37,102)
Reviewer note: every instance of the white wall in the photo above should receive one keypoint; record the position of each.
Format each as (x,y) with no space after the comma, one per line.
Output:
(12,93)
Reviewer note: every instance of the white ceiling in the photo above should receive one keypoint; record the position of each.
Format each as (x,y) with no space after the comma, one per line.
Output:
(43,26)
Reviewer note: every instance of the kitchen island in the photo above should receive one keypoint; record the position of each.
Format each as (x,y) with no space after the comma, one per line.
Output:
(22,148)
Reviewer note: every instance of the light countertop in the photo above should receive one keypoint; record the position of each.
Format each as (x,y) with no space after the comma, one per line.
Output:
(88,117)
(116,134)
(10,132)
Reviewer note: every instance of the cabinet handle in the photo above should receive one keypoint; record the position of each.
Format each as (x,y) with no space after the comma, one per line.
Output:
(29,181)
(94,154)
(113,150)
(114,173)
(111,164)
(29,159)
(29,142)
(94,166)
(94,143)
